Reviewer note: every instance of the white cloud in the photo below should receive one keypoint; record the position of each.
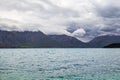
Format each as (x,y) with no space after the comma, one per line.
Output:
(89,17)
(79,32)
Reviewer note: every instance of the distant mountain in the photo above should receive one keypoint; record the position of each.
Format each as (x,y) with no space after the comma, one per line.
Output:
(14,39)
(28,39)
(102,41)
(67,41)
(115,45)
(25,39)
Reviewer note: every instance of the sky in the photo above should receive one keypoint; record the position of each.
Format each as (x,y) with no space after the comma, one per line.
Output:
(83,19)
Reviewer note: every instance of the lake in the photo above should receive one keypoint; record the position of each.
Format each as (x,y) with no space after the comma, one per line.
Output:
(60,64)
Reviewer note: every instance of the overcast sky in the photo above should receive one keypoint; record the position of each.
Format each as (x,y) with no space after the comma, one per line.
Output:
(83,19)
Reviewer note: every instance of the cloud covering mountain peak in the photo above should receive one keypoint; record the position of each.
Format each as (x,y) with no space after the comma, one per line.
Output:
(91,17)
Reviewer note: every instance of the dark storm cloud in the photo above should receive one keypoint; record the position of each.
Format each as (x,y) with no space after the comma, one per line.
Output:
(109,12)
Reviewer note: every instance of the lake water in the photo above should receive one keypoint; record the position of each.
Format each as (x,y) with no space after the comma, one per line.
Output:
(60,64)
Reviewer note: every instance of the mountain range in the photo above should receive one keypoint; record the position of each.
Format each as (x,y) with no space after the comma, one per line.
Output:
(28,39)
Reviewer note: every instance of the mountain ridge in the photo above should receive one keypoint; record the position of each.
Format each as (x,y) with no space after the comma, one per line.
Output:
(102,41)
(37,39)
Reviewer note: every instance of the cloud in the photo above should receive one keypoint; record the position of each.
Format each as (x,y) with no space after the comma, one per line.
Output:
(79,32)
(87,19)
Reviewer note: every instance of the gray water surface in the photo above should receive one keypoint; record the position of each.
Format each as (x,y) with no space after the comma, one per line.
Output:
(60,64)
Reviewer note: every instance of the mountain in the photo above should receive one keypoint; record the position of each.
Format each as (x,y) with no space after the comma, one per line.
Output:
(14,39)
(67,41)
(115,45)
(28,39)
(25,39)
(102,41)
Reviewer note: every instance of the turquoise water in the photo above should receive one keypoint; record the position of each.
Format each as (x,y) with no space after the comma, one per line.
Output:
(60,64)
